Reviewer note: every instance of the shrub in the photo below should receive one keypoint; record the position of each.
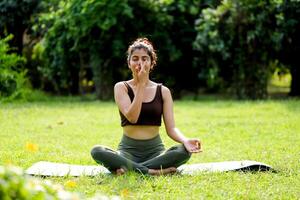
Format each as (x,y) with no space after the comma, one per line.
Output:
(238,40)
(14,184)
(13,83)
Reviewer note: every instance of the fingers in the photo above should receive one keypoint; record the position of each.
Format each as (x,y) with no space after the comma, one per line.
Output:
(195,151)
(140,68)
(142,74)
(194,146)
(197,143)
(199,146)
(143,67)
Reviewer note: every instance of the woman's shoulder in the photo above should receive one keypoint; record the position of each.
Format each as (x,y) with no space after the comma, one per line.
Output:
(122,83)
(159,84)
(164,89)
(120,86)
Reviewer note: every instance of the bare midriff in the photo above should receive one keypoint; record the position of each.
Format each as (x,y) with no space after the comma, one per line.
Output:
(141,132)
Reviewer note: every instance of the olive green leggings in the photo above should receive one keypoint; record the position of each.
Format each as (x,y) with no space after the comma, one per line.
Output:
(140,155)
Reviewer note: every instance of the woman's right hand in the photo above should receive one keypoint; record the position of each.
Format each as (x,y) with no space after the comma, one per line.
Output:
(142,74)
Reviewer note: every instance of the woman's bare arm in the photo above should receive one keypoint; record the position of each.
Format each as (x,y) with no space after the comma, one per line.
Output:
(131,110)
(192,145)
(168,116)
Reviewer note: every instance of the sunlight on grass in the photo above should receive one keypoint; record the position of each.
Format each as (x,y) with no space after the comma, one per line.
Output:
(279,83)
(65,131)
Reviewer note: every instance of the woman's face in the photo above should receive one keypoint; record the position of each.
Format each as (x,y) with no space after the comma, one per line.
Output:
(139,58)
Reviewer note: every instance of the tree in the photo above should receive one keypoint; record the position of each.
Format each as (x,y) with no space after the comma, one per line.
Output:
(12,76)
(105,30)
(15,18)
(289,51)
(177,57)
(239,39)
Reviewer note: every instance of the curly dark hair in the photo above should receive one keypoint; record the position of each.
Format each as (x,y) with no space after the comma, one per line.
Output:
(143,43)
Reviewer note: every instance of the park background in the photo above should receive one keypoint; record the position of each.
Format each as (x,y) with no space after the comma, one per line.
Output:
(59,61)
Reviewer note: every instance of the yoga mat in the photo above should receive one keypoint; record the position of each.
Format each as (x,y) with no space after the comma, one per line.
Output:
(244,165)
(44,168)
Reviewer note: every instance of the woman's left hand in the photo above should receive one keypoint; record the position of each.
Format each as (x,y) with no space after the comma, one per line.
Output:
(193,145)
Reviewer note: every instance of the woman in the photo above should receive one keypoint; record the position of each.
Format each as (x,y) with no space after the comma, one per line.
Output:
(142,103)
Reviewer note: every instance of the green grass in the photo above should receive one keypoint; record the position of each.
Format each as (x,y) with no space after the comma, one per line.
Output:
(65,130)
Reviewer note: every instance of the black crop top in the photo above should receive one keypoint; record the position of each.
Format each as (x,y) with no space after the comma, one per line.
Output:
(151,112)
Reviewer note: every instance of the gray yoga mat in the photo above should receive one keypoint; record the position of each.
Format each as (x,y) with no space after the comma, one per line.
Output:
(44,168)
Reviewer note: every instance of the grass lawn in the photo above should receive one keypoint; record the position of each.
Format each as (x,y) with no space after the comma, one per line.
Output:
(65,130)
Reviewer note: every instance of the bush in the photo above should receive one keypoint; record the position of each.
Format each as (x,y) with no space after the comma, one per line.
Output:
(14,184)
(238,40)
(13,83)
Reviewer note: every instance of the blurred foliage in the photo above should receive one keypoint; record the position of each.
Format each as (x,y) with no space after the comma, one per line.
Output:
(79,46)
(13,82)
(15,18)
(14,184)
(81,39)
(106,29)
(177,68)
(237,41)
(289,24)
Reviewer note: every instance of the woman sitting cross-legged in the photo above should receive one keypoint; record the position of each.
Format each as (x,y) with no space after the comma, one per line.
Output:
(142,103)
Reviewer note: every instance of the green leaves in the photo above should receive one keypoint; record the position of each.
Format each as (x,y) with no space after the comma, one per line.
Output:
(12,76)
(242,37)
(14,184)
(83,28)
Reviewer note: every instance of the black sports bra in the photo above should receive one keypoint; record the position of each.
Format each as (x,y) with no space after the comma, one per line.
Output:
(151,112)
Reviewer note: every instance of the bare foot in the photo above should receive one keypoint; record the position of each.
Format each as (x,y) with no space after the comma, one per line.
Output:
(120,171)
(158,172)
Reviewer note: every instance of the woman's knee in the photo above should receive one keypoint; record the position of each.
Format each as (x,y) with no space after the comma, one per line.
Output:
(98,151)
(182,152)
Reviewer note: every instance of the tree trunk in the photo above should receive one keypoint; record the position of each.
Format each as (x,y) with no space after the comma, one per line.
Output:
(102,75)
(74,87)
(251,81)
(295,85)
(83,65)
(17,30)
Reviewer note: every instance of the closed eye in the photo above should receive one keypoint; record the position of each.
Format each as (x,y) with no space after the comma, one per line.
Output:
(146,58)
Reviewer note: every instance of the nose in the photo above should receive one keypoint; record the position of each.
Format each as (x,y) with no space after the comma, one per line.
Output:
(139,62)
